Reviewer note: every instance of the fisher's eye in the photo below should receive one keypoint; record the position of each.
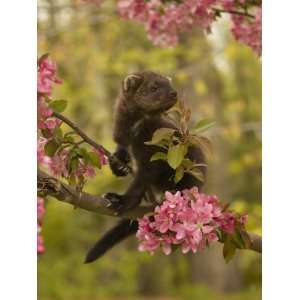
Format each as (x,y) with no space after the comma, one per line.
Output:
(154,88)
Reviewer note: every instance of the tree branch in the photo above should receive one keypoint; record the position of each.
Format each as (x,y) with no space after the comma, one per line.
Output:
(81,133)
(90,141)
(256,242)
(50,186)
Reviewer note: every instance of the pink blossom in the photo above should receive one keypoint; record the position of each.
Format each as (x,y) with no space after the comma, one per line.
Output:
(46,76)
(43,112)
(52,123)
(188,219)
(55,164)
(212,237)
(102,157)
(40,209)
(40,150)
(58,164)
(85,169)
(227,222)
(165,20)
(248,31)
(228,4)
(133,9)
(166,248)
(40,215)
(243,219)
(90,171)
(40,244)
(43,108)
(145,233)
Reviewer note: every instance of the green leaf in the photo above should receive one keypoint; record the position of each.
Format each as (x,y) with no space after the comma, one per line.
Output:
(161,134)
(94,159)
(203,125)
(70,133)
(58,105)
(47,133)
(198,174)
(246,239)
(73,166)
(51,147)
(228,249)
(176,155)
(220,235)
(179,174)
(158,155)
(238,239)
(58,134)
(72,180)
(83,153)
(203,143)
(187,163)
(68,139)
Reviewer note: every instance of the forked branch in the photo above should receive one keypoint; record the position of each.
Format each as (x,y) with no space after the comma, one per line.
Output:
(50,186)
(88,140)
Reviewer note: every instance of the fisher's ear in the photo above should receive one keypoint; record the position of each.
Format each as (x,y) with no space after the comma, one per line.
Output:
(132,82)
(170,79)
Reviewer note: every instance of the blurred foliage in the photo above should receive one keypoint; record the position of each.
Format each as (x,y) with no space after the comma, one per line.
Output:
(220,80)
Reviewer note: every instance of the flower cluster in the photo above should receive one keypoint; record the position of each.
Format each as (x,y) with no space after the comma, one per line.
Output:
(46,78)
(248,31)
(164,20)
(58,152)
(40,215)
(59,164)
(188,219)
(51,135)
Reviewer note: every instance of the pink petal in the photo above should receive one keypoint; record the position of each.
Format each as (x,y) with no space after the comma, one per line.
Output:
(166,249)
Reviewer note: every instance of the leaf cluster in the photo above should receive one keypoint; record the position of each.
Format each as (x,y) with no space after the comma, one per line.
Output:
(69,147)
(240,239)
(175,142)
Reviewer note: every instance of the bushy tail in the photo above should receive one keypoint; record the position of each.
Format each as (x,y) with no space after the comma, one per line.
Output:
(121,231)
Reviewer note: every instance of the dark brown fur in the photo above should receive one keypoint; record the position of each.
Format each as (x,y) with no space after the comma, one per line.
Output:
(138,114)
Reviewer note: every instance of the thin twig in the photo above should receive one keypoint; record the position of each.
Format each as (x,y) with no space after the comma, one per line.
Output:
(81,133)
(90,141)
(80,142)
(233,12)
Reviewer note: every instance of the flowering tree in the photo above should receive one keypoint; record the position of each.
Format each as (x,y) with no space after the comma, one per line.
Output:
(164,20)
(187,219)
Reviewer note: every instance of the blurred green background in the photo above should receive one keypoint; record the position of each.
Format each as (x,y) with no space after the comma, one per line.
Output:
(219,79)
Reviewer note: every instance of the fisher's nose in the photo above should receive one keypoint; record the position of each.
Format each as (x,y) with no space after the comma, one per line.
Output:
(173,94)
